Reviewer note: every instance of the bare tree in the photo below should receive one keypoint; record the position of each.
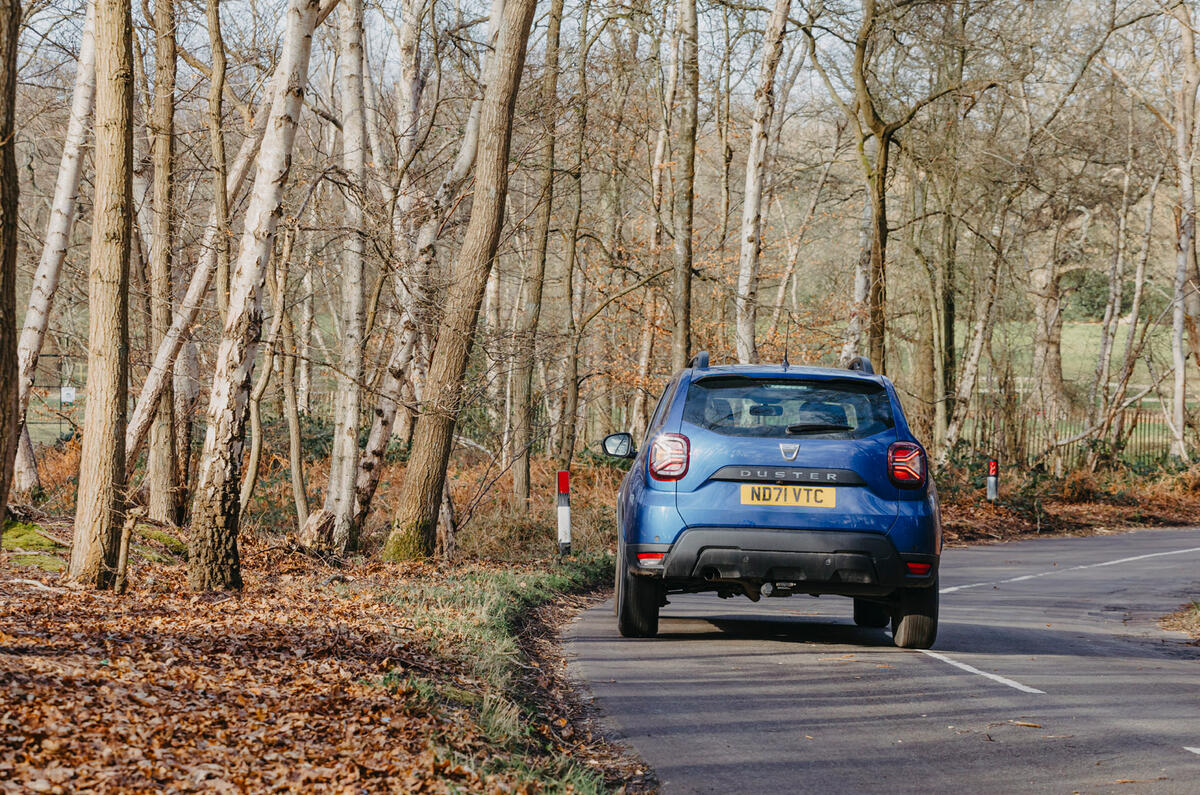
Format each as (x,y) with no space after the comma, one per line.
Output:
(10,418)
(343,461)
(414,533)
(58,233)
(527,320)
(685,185)
(213,561)
(100,504)
(756,166)
(161,471)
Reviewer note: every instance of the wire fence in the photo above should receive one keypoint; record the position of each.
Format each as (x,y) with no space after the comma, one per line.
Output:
(1008,429)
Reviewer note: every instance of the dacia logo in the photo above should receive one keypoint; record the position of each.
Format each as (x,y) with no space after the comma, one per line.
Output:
(789,451)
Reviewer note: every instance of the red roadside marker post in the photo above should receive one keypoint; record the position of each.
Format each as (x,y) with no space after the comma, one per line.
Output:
(564,513)
(993,480)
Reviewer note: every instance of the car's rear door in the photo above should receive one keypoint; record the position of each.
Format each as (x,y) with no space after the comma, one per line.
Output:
(798,452)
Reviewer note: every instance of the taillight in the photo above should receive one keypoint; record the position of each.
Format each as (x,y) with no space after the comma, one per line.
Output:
(651,558)
(669,456)
(906,465)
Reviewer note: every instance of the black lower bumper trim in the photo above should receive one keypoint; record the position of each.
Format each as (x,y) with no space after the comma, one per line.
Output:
(816,561)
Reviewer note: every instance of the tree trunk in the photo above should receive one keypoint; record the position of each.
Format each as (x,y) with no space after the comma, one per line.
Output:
(639,412)
(527,321)
(985,310)
(877,281)
(10,416)
(852,337)
(186,386)
(292,414)
(685,181)
(756,167)
(1110,323)
(100,503)
(265,371)
(164,356)
(58,235)
(216,138)
(304,343)
(1045,295)
(25,480)
(343,462)
(416,228)
(212,552)
(414,533)
(160,465)
(570,394)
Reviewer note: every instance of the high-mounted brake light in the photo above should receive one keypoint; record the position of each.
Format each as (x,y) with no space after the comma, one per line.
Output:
(906,465)
(669,455)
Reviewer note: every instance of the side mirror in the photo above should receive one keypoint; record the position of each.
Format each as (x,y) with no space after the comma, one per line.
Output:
(619,445)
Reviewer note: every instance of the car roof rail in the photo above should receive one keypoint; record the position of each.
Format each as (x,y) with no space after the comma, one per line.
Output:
(862,364)
(699,361)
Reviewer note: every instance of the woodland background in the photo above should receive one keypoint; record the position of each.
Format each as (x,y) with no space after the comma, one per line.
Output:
(455,239)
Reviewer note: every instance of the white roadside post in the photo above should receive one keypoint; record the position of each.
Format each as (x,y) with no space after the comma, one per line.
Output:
(564,513)
(993,480)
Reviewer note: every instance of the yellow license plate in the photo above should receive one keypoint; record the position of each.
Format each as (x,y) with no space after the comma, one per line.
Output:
(789,496)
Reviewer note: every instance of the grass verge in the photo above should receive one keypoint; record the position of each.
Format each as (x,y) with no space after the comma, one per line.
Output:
(474,613)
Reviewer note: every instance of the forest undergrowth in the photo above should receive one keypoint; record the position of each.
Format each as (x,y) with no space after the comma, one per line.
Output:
(355,674)
(360,677)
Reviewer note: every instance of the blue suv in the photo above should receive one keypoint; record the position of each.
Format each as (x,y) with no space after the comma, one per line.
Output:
(773,480)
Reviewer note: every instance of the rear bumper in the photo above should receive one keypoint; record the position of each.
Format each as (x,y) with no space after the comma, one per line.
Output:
(816,561)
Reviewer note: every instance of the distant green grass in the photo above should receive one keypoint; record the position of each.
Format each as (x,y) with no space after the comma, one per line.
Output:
(1012,345)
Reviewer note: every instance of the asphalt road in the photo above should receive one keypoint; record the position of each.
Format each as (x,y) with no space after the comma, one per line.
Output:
(1049,674)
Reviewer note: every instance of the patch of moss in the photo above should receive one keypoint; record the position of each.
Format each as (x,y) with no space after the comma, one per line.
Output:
(172,544)
(30,548)
(20,535)
(37,560)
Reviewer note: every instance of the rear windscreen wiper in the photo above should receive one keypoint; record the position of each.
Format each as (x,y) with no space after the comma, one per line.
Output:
(817,427)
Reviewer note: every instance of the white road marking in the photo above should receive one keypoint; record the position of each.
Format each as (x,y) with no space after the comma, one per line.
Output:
(1193,750)
(994,677)
(954,588)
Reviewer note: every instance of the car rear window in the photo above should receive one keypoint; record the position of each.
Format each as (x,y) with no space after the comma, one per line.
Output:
(793,408)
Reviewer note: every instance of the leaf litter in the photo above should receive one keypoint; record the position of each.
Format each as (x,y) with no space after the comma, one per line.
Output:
(290,685)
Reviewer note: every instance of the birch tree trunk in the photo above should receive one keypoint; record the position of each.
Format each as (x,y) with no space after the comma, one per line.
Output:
(58,234)
(212,552)
(100,502)
(1185,243)
(414,533)
(756,166)
(189,309)
(527,320)
(343,462)
(685,181)
(160,465)
(10,417)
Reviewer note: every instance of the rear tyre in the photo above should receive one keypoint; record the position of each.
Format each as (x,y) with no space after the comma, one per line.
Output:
(638,599)
(915,617)
(871,614)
